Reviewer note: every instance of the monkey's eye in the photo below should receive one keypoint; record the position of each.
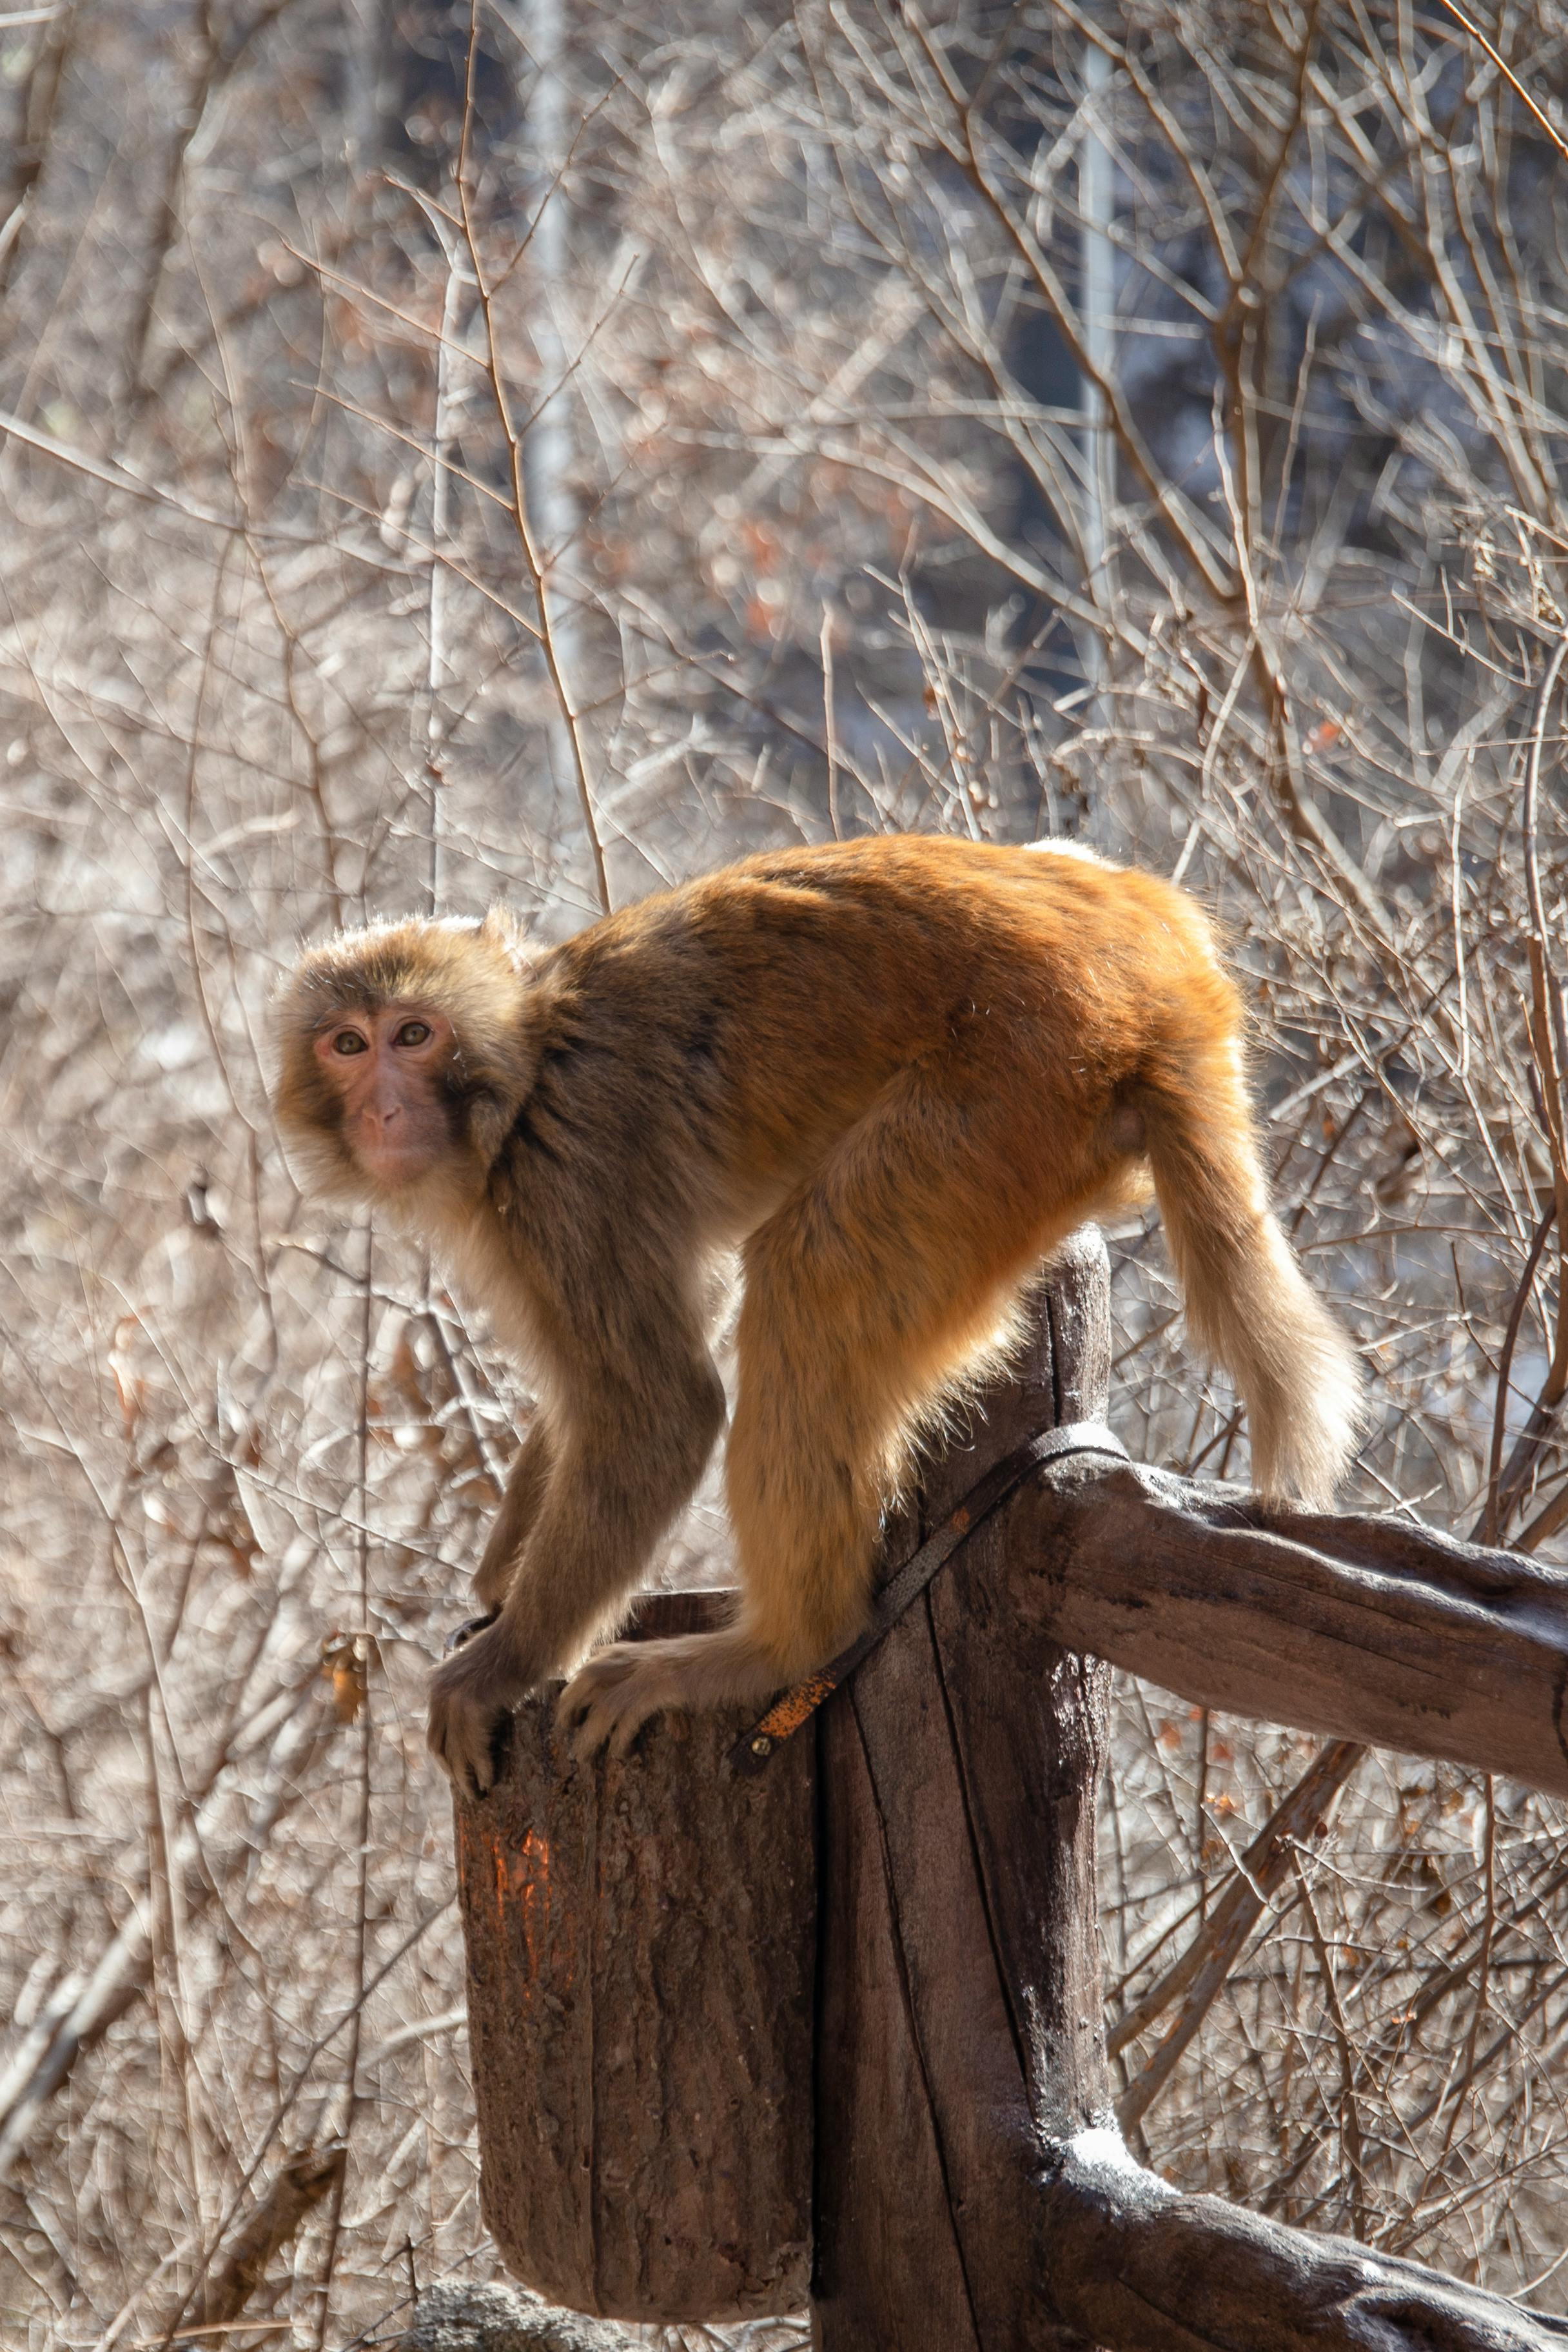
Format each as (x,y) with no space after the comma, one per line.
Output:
(349,1041)
(413,1033)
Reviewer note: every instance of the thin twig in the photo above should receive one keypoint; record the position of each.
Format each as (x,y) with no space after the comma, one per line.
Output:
(1507,74)
(297,2186)
(534,558)
(1201,1972)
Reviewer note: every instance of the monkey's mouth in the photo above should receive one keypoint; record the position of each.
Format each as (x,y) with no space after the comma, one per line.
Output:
(395,1166)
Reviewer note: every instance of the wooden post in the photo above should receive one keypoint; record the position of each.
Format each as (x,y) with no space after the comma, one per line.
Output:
(960,2004)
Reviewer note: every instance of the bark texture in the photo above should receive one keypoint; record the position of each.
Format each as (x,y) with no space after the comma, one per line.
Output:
(1141,2269)
(640,1944)
(1373,1629)
(961,1999)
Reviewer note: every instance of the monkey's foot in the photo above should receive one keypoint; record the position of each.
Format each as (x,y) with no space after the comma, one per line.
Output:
(472,1696)
(612,1696)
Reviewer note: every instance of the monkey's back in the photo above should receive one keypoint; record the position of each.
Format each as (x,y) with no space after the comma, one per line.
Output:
(787,991)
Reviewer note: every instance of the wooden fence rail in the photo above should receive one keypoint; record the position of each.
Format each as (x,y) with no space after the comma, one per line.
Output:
(1373,1629)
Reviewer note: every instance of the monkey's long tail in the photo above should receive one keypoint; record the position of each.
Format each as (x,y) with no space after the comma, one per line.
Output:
(1247,1305)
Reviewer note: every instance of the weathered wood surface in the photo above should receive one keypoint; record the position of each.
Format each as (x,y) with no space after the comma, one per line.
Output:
(961,2014)
(1139,2268)
(971,2196)
(1373,1629)
(640,1942)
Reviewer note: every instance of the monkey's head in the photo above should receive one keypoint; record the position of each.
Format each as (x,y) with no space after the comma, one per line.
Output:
(404,1056)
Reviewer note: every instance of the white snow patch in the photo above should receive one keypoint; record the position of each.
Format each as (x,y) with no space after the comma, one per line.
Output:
(1101,2148)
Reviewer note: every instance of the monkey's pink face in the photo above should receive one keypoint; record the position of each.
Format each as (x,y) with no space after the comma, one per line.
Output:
(385,1069)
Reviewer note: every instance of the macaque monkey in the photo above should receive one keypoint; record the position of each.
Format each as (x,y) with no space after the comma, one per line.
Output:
(892,1076)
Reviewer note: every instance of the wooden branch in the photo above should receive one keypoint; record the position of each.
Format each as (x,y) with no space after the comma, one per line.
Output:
(971,2192)
(1371,1630)
(1137,2267)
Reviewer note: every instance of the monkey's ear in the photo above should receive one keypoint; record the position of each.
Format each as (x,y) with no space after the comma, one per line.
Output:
(500,929)
(489,1124)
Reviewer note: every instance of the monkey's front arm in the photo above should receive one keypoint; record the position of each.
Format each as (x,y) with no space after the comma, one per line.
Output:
(623,1460)
(520,1506)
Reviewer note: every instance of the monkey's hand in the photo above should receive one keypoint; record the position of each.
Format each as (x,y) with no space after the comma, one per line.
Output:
(471,1695)
(612,1696)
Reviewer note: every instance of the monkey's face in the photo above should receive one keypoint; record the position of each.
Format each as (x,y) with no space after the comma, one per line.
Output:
(388,1072)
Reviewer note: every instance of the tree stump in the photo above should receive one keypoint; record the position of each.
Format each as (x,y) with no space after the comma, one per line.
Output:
(641,1946)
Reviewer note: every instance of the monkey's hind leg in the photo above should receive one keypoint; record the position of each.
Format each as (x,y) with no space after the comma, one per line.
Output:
(865,1297)
(614,1694)
(803,1474)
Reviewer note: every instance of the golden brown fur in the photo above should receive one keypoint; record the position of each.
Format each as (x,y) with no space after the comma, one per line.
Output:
(893,1075)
